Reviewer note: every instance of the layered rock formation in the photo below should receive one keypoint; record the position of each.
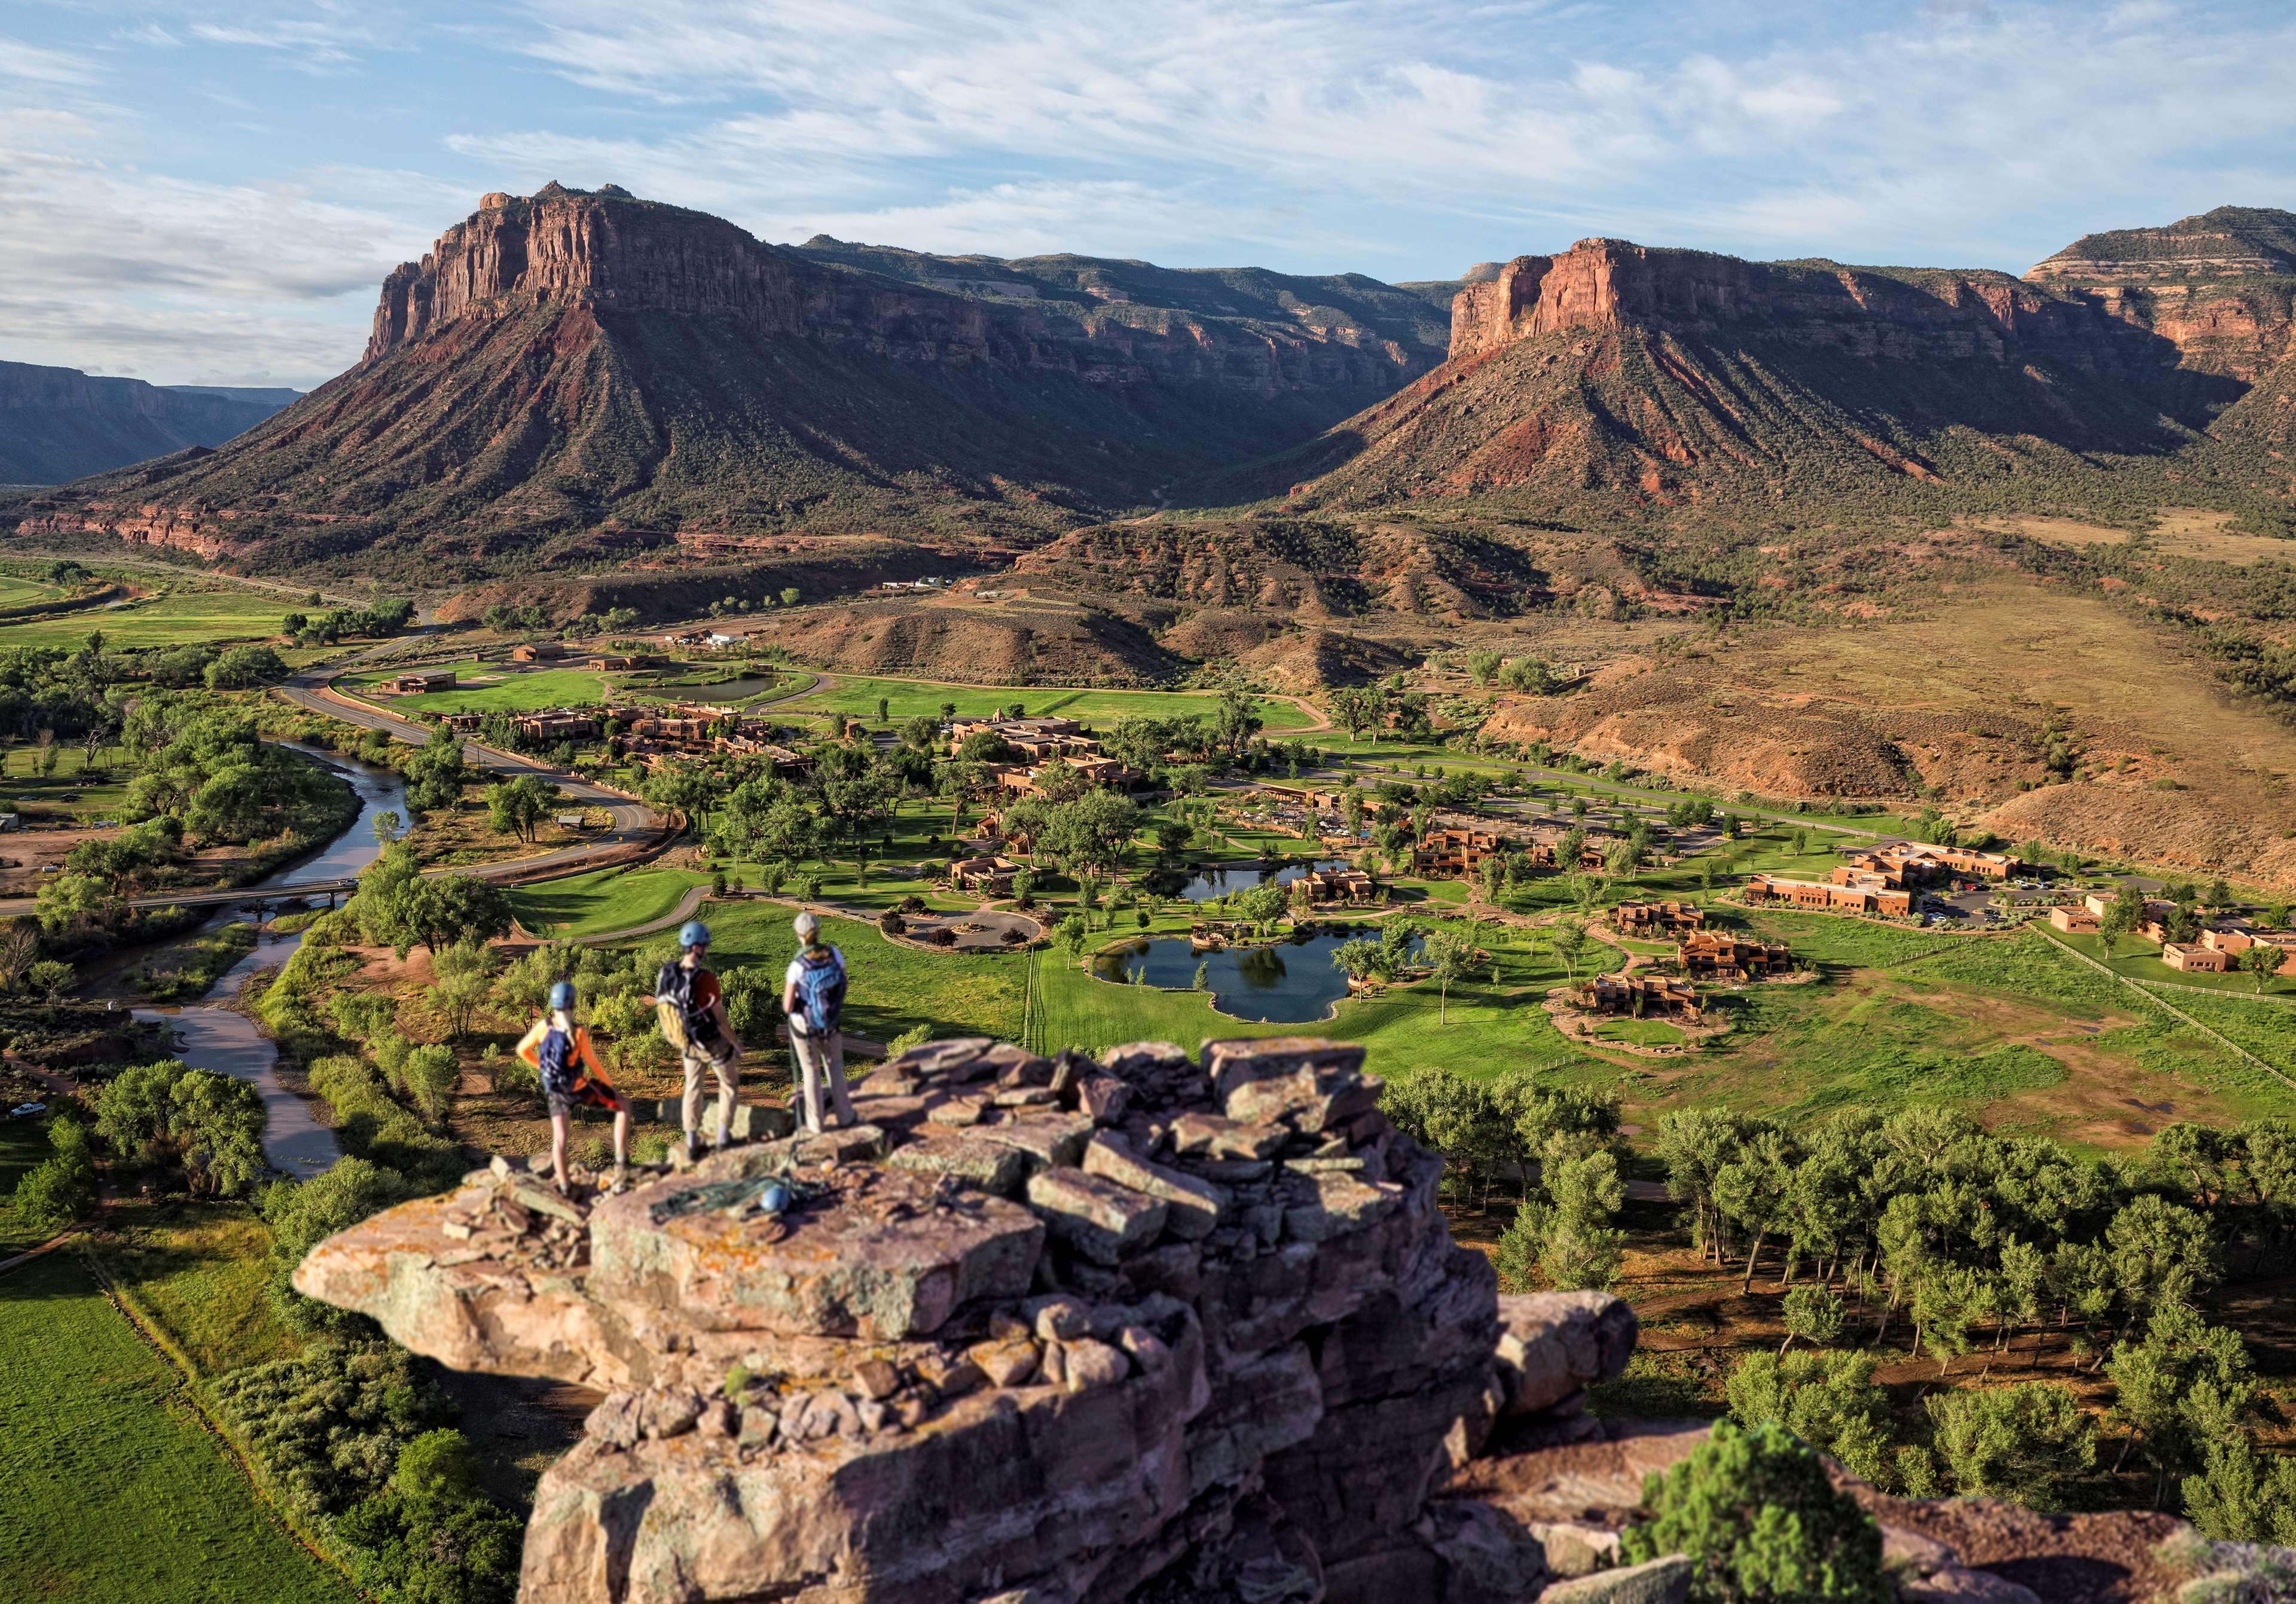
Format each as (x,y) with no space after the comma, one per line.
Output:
(2220,286)
(1607,284)
(58,423)
(1037,1329)
(578,380)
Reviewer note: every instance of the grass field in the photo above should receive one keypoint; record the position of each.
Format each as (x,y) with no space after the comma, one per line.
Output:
(893,988)
(855,697)
(16,592)
(173,617)
(198,1271)
(92,1418)
(607,900)
(516,692)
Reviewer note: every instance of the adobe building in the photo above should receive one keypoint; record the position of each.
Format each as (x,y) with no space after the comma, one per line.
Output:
(1869,895)
(1645,996)
(423,681)
(2075,921)
(1717,954)
(1658,918)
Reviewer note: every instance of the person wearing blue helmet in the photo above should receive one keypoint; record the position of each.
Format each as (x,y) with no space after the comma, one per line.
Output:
(561,1054)
(813,999)
(691,1005)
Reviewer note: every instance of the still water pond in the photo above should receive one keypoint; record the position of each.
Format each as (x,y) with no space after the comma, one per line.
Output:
(1209,884)
(1289,982)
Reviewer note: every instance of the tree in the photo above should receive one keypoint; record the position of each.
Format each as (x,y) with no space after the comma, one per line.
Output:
(245,668)
(216,1123)
(2125,913)
(435,911)
(2162,1252)
(2262,960)
(517,807)
(884,709)
(1483,666)
(19,950)
(1449,955)
(429,1073)
(388,827)
(435,773)
(1814,1314)
(2239,1495)
(789,595)
(2023,1442)
(61,1188)
(462,982)
(1755,1510)
(2186,1385)
(1751,1191)
(1829,1400)
(1570,944)
(52,977)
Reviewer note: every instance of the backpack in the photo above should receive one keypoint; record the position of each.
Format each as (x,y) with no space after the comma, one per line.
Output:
(555,1056)
(821,990)
(685,1020)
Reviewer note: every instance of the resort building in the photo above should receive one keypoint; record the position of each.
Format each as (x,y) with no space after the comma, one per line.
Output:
(1718,954)
(1869,895)
(2075,921)
(1658,918)
(989,875)
(1345,883)
(424,679)
(2193,959)
(1903,864)
(1644,996)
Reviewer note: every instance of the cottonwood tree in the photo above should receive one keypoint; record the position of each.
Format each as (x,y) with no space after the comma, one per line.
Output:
(518,806)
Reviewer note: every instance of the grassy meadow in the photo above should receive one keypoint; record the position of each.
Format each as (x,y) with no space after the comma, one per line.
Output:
(178,614)
(92,1419)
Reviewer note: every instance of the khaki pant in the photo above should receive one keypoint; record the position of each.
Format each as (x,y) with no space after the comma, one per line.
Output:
(728,1071)
(822,1059)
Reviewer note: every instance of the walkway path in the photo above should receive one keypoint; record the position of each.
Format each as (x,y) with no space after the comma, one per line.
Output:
(49,1245)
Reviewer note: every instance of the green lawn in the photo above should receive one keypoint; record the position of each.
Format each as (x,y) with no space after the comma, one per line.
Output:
(2140,961)
(200,1273)
(855,697)
(174,616)
(517,691)
(1640,1033)
(606,900)
(111,1486)
(16,592)
(893,988)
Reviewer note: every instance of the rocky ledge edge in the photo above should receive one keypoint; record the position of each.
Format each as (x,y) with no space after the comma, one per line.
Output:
(1070,1331)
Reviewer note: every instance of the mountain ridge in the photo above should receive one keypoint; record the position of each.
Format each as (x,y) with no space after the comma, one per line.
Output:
(60,423)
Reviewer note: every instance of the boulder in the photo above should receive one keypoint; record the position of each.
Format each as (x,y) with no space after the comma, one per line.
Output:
(1093,1215)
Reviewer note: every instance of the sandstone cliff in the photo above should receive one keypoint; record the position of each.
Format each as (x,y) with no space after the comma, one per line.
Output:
(567,375)
(1068,1331)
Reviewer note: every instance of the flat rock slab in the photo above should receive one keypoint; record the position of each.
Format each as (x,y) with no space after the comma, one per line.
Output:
(1659,1582)
(881,1254)
(1193,1206)
(1096,1216)
(993,1167)
(471,1311)
(1049,1140)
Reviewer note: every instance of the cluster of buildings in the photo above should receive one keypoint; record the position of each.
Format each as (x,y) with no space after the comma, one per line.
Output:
(2218,949)
(1902,865)
(1042,744)
(1341,883)
(1717,954)
(1658,918)
(652,732)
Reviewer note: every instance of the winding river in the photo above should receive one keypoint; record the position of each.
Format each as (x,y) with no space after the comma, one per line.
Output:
(211,1036)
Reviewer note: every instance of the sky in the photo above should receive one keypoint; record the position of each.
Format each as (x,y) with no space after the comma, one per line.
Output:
(211,192)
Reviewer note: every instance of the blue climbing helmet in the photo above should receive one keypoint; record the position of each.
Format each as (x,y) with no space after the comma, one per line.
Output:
(696,933)
(561,995)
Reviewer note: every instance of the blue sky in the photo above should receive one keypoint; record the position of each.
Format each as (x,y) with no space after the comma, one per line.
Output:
(211,192)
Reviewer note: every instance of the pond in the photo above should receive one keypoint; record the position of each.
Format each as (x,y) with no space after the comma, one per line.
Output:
(1286,982)
(1210,884)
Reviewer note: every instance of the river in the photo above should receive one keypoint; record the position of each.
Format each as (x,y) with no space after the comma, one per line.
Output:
(210,1036)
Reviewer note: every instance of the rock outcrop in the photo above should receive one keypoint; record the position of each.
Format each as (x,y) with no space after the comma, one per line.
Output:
(1042,1330)
(1600,285)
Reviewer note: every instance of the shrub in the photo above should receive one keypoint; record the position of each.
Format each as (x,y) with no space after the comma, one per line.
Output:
(303,1213)
(1829,1400)
(1757,1512)
(942,935)
(891,922)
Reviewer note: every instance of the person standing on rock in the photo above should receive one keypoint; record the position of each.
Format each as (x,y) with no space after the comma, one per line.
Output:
(813,996)
(560,1052)
(691,1006)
